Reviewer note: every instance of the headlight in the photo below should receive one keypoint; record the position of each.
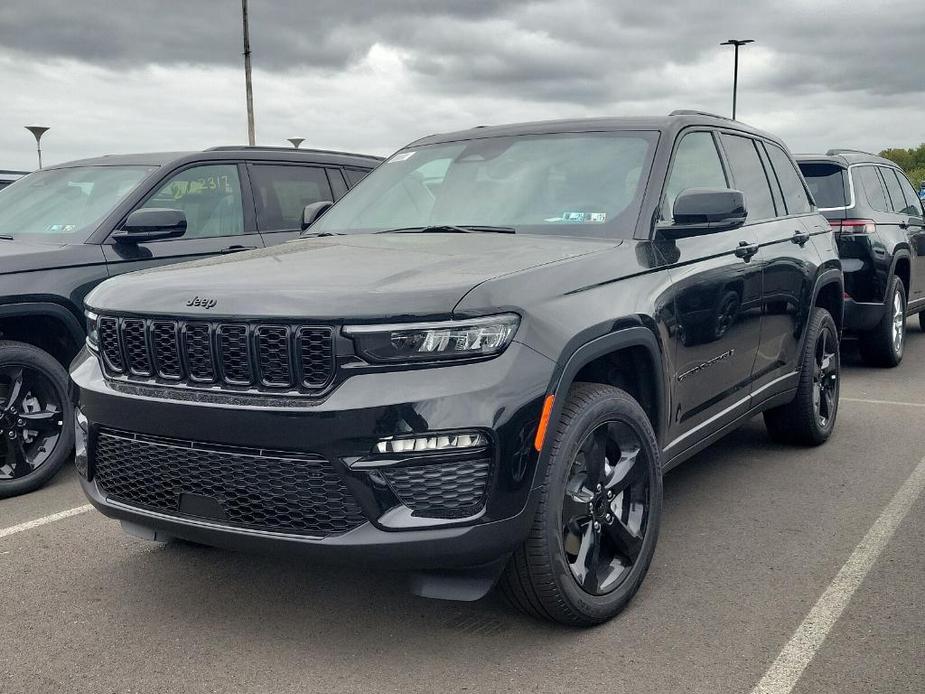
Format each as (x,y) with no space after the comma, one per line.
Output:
(435,341)
(93,330)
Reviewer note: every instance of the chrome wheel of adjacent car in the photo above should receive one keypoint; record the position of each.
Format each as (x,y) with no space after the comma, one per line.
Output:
(898,324)
(605,509)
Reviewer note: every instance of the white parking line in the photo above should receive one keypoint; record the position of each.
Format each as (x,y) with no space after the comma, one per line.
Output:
(884,402)
(28,525)
(784,672)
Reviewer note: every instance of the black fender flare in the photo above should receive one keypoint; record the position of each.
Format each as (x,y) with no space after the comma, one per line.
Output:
(824,279)
(571,362)
(901,253)
(47,308)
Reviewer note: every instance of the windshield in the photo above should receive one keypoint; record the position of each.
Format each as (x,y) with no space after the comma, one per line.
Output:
(65,205)
(827,183)
(579,184)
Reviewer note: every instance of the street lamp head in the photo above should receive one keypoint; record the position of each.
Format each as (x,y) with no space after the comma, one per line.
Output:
(37,131)
(737,42)
(296,141)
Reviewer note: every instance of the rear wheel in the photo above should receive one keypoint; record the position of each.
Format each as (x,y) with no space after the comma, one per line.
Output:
(36,418)
(595,530)
(883,346)
(922,321)
(810,418)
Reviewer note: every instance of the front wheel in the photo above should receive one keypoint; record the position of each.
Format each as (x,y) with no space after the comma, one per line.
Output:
(810,418)
(36,418)
(596,526)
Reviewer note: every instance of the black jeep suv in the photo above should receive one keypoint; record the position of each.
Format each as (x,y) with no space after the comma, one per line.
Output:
(66,228)
(880,232)
(480,363)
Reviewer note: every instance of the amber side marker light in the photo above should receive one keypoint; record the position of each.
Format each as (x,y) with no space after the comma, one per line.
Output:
(544,422)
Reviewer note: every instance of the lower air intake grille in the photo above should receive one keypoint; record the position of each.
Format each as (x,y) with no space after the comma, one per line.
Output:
(261,490)
(447,490)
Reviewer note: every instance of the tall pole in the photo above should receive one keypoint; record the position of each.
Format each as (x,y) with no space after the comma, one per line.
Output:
(251,140)
(735,69)
(37,132)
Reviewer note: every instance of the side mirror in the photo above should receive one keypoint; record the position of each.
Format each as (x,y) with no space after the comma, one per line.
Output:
(151,224)
(312,212)
(699,211)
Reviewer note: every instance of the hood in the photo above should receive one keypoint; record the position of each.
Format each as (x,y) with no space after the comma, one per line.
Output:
(26,256)
(370,276)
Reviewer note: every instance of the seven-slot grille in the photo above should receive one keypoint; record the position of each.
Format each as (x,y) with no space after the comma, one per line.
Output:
(203,353)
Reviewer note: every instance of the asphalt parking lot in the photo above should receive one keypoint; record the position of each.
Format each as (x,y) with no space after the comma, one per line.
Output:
(754,535)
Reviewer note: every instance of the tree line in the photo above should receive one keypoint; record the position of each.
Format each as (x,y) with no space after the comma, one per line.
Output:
(912,162)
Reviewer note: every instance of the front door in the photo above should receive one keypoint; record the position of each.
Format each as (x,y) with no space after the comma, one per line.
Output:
(211,197)
(716,285)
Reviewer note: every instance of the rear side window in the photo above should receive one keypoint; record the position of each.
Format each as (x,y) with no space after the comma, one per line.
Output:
(828,184)
(748,175)
(913,203)
(696,165)
(282,192)
(354,176)
(870,182)
(792,187)
(897,201)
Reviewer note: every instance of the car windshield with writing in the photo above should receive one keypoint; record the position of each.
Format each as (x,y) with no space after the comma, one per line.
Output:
(575,184)
(65,205)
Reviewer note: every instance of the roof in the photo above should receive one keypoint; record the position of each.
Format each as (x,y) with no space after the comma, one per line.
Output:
(845,158)
(227,153)
(673,122)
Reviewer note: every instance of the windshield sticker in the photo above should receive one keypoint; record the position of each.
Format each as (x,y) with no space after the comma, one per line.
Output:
(401,156)
(580,218)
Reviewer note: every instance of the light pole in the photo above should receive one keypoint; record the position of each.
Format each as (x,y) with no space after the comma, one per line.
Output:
(37,131)
(296,141)
(735,70)
(247,76)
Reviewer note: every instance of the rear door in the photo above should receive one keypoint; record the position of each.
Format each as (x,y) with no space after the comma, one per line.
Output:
(212,196)
(910,209)
(281,192)
(717,305)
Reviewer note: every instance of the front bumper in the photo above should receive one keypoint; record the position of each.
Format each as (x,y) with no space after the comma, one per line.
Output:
(501,397)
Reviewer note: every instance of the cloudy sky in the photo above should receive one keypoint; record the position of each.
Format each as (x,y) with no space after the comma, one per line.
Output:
(370,75)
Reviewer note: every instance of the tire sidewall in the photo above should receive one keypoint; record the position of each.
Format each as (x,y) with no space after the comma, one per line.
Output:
(563,452)
(897,288)
(19,354)
(822,320)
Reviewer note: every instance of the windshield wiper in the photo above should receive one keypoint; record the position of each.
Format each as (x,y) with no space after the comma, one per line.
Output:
(449,229)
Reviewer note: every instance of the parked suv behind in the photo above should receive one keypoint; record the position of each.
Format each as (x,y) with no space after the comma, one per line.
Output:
(66,228)
(482,363)
(880,232)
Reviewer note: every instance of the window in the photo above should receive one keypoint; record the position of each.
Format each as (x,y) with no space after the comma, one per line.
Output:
(210,196)
(895,193)
(792,187)
(828,184)
(873,187)
(696,165)
(282,192)
(574,184)
(338,183)
(913,203)
(354,176)
(749,176)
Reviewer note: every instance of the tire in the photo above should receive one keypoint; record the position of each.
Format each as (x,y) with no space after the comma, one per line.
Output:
(884,345)
(539,578)
(41,401)
(804,421)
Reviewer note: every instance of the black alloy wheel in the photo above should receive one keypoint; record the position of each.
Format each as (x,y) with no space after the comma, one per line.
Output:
(606,507)
(36,419)
(825,377)
(597,518)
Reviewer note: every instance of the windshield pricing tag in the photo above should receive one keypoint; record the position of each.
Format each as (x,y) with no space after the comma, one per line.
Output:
(580,218)
(401,156)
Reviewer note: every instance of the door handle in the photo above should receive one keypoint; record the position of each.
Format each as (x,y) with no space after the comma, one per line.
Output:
(746,250)
(800,238)
(904,225)
(238,249)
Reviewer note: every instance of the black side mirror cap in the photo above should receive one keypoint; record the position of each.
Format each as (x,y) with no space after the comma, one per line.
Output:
(151,224)
(699,211)
(312,212)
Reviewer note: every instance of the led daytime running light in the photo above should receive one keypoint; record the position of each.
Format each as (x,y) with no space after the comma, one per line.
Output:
(438,442)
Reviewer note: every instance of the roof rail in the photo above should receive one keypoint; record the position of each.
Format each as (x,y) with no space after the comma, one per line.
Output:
(266,148)
(692,112)
(833,152)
